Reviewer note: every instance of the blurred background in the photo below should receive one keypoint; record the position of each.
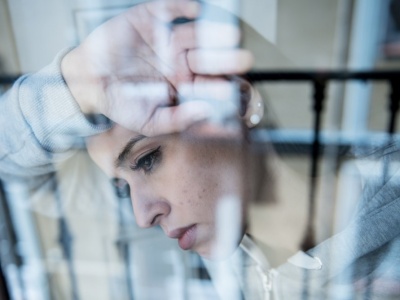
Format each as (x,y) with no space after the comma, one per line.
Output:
(82,242)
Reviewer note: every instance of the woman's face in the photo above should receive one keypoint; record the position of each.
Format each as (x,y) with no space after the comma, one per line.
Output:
(176,181)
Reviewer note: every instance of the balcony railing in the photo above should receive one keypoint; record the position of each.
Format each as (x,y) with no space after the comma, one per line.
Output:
(319,81)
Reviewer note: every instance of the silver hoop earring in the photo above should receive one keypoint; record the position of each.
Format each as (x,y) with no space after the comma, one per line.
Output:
(255,109)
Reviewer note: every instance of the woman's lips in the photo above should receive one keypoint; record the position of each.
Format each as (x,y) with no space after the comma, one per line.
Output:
(186,236)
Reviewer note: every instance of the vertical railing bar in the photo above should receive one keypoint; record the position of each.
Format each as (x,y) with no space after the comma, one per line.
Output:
(393,105)
(11,236)
(65,239)
(309,237)
(4,292)
(122,243)
(393,108)
(318,98)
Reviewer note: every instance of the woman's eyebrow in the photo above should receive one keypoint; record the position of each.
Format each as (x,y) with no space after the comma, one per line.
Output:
(124,154)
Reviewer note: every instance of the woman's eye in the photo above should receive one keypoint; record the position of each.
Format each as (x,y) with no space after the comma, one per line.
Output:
(148,161)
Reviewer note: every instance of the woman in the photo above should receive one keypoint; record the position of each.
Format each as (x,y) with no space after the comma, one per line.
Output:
(186,182)
(176,181)
(198,186)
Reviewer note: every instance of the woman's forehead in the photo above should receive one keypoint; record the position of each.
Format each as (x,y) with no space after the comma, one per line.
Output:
(114,139)
(104,148)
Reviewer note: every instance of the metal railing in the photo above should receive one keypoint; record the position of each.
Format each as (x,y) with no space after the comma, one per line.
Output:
(319,80)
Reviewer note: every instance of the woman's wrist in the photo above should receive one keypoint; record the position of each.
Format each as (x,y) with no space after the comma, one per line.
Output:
(77,76)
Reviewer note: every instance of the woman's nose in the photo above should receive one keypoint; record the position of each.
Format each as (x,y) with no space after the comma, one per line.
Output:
(149,211)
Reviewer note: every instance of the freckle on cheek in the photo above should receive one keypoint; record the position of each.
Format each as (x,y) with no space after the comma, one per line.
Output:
(200,195)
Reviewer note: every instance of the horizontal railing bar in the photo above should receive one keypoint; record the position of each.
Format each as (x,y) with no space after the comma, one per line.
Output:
(312,75)
(288,141)
(295,75)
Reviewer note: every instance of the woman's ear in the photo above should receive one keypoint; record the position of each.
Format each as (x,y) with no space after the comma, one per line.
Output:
(251,108)
(255,108)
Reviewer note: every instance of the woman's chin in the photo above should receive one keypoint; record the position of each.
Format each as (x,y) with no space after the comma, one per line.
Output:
(217,252)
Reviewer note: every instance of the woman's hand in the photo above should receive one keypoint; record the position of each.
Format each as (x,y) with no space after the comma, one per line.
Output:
(136,67)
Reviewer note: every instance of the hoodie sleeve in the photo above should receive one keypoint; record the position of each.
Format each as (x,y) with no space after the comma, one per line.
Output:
(41,123)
